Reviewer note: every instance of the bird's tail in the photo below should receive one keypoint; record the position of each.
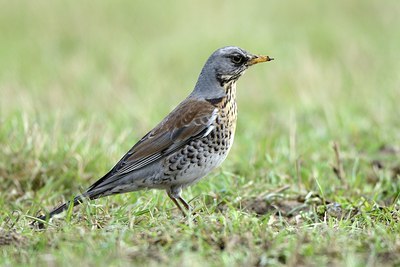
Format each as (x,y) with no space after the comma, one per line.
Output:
(77,200)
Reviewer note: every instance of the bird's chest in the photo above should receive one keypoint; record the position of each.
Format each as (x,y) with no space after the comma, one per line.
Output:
(225,124)
(226,120)
(215,147)
(201,156)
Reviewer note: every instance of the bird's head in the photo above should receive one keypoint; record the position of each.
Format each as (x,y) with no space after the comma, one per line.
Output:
(225,65)
(230,62)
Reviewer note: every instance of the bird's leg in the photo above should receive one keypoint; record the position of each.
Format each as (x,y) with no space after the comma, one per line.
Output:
(185,204)
(175,194)
(176,203)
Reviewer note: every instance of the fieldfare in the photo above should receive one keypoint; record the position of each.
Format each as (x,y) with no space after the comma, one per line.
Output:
(186,145)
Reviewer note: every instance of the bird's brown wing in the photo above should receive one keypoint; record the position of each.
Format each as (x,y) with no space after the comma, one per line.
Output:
(192,119)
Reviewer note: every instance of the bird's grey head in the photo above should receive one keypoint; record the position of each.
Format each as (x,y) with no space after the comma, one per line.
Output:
(225,65)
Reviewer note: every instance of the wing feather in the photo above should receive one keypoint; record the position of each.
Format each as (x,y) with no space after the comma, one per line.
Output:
(191,120)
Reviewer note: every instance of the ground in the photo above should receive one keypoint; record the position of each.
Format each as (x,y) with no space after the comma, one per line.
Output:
(313,178)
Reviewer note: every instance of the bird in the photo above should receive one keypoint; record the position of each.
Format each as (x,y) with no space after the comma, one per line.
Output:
(191,141)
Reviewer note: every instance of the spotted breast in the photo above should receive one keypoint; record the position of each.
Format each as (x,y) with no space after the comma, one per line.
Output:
(200,156)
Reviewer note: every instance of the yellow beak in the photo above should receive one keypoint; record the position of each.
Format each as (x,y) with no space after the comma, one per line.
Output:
(259,59)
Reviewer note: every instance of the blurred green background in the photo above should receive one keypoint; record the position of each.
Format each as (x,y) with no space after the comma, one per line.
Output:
(82,81)
(120,66)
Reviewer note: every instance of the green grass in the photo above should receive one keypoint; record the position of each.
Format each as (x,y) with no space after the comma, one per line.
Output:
(81,82)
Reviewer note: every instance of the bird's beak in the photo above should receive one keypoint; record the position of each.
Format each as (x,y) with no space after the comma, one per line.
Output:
(259,59)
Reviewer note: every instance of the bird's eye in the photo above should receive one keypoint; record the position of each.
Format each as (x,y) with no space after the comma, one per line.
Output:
(237,59)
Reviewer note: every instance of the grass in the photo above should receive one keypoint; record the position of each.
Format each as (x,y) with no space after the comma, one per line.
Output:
(80,83)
